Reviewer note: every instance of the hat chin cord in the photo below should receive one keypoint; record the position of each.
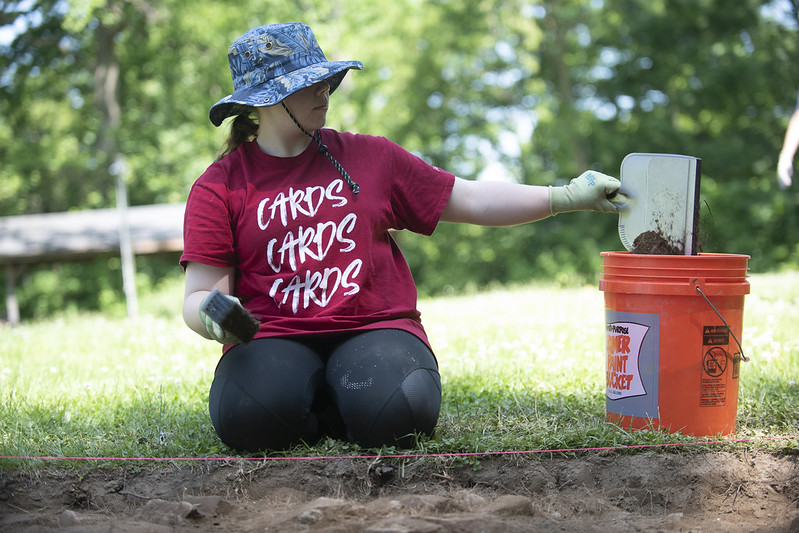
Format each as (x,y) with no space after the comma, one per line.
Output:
(323,150)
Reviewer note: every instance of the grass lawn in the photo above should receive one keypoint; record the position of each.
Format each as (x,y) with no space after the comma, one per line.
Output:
(523,368)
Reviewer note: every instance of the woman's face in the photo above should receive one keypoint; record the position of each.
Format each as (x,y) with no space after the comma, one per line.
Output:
(309,105)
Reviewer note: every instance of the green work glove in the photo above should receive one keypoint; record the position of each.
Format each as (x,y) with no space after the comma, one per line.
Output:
(590,191)
(217,333)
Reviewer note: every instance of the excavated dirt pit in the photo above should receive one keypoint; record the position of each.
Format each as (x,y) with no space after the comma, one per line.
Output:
(597,492)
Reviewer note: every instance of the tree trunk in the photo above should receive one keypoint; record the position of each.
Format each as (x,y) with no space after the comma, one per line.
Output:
(564,86)
(106,93)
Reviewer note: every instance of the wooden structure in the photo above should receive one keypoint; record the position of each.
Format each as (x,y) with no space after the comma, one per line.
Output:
(72,236)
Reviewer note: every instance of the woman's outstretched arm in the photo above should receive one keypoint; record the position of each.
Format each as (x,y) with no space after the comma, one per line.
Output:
(493,203)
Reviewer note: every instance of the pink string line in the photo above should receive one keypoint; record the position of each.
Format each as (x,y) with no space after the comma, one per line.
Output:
(405,456)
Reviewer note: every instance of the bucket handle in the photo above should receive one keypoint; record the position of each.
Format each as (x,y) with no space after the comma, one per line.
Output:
(699,290)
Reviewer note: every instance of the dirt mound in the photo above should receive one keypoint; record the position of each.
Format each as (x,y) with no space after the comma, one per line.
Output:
(727,492)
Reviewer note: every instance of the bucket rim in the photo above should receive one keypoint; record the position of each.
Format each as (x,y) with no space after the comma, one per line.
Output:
(679,275)
(674,258)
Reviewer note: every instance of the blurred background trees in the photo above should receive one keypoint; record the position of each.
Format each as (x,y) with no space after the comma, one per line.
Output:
(533,91)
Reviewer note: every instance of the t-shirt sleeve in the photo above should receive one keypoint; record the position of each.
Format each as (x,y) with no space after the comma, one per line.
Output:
(420,192)
(207,233)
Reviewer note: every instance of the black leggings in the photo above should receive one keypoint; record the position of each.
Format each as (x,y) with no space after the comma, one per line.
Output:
(374,388)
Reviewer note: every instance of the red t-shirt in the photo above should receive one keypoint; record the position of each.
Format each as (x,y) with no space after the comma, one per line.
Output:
(311,257)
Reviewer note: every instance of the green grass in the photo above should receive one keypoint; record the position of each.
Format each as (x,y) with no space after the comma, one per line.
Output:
(522,369)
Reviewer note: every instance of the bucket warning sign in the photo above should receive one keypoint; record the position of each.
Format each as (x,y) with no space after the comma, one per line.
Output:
(624,340)
(715,336)
(715,360)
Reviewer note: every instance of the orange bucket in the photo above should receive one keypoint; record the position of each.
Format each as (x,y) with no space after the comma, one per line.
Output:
(673,330)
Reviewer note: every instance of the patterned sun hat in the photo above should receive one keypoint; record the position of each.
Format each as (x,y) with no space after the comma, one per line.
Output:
(271,62)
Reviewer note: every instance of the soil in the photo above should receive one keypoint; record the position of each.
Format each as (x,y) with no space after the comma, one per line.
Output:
(654,243)
(604,491)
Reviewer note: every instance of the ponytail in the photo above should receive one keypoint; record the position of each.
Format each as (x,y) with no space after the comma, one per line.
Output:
(243,129)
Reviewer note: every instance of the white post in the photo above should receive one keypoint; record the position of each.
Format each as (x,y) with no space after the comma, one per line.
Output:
(12,306)
(120,169)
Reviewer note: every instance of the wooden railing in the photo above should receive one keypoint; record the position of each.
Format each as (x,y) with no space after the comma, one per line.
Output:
(71,236)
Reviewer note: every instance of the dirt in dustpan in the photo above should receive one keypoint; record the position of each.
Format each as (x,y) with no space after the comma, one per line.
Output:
(654,243)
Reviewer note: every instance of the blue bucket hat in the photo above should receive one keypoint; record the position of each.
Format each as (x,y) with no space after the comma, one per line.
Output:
(269,63)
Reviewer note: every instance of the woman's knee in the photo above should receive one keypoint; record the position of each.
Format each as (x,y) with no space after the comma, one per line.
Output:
(262,394)
(387,387)
(411,410)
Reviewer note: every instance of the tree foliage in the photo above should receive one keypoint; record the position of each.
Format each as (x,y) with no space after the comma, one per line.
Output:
(509,89)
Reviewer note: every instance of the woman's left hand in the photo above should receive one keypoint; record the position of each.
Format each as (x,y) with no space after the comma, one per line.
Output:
(590,191)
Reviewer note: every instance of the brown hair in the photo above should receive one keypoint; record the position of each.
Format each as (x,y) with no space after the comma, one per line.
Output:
(243,129)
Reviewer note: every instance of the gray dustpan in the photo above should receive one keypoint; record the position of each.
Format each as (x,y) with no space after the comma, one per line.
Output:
(662,193)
